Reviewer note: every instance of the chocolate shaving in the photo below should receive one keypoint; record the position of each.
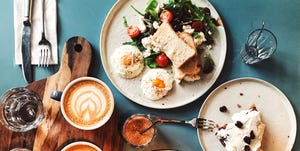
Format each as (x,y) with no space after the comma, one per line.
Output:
(239,124)
(247,139)
(222,140)
(247,148)
(252,135)
(223,109)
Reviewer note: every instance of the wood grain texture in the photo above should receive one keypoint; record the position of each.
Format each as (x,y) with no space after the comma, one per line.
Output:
(54,132)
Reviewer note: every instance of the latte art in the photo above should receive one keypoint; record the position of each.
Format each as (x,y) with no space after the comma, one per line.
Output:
(81,146)
(87,102)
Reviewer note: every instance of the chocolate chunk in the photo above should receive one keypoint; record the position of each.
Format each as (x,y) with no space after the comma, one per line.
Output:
(223,109)
(239,124)
(222,140)
(247,148)
(247,139)
(252,135)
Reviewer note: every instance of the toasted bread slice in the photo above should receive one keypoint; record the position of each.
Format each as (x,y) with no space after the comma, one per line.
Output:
(191,66)
(188,39)
(178,74)
(174,47)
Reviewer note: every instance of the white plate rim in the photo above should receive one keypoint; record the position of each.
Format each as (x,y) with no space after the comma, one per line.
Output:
(117,6)
(286,102)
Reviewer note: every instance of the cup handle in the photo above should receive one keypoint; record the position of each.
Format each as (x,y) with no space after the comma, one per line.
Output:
(56,95)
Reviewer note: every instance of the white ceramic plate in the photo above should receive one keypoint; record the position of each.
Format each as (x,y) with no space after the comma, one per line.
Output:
(114,34)
(277,112)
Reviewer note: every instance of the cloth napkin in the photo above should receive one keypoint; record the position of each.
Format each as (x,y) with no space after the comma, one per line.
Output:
(36,28)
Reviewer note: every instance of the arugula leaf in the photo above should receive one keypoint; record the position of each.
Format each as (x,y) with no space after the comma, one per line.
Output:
(135,42)
(125,21)
(132,43)
(211,24)
(150,60)
(196,35)
(185,12)
(136,10)
(151,8)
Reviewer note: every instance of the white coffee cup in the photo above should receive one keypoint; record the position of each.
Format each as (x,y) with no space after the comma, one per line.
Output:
(87,103)
(81,145)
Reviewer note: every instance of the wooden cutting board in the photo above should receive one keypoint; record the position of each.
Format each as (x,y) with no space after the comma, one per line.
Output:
(54,132)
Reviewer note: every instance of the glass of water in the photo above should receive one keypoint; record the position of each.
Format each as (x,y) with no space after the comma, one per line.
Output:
(21,109)
(260,45)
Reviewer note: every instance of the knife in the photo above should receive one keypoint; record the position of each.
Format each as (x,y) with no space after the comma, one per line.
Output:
(26,38)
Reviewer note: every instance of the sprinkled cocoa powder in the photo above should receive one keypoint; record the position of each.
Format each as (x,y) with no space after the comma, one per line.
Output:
(132,130)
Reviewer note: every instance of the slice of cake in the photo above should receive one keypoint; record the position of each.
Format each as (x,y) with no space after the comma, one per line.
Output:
(245,133)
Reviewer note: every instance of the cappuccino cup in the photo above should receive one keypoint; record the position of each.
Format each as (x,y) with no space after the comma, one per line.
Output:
(86,103)
(81,145)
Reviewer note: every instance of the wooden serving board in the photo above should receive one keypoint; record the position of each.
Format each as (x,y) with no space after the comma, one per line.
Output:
(54,132)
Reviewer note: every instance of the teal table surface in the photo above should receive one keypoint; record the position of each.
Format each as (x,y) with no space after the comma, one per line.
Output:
(240,17)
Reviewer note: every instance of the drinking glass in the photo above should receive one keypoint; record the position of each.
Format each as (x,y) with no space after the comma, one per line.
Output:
(21,109)
(260,45)
(133,127)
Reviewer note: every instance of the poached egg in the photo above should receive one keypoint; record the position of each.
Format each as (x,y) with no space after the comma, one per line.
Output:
(128,61)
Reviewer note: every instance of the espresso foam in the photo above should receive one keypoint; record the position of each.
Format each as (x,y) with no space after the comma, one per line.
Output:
(81,148)
(87,102)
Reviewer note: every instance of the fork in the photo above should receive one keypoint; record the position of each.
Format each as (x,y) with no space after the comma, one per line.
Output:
(204,124)
(44,44)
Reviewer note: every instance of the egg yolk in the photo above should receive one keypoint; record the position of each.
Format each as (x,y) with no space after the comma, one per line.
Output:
(127,60)
(158,83)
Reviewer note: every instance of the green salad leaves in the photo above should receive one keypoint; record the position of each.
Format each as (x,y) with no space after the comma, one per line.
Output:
(184,13)
(151,8)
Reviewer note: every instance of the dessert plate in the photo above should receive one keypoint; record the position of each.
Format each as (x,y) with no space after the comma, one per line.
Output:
(113,34)
(239,94)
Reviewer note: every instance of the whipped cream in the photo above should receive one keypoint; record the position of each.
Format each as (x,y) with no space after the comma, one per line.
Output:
(245,133)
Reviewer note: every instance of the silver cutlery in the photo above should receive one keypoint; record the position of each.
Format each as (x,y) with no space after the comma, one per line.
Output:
(200,123)
(26,37)
(44,44)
